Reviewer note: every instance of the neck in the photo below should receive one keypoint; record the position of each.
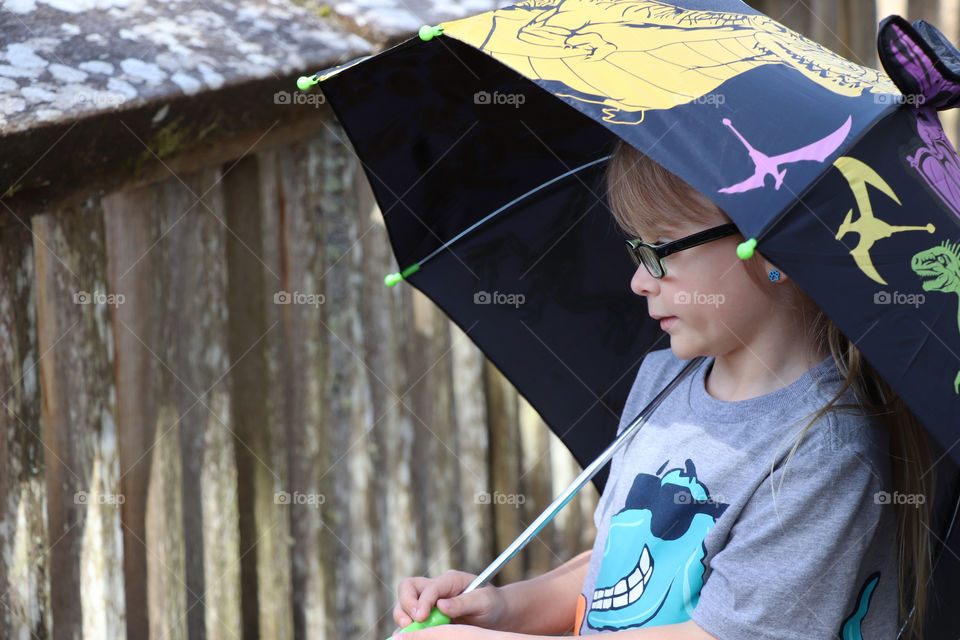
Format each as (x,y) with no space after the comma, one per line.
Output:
(772,360)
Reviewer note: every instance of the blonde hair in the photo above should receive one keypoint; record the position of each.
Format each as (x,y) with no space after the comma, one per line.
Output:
(647,199)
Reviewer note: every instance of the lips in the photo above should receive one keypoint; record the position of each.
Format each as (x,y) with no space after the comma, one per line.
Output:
(665,321)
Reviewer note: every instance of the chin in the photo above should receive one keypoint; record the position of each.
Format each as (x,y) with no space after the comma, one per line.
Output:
(686,352)
(681,351)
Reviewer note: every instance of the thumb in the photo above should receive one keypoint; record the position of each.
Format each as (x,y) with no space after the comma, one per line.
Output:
(459,606)
(450,607)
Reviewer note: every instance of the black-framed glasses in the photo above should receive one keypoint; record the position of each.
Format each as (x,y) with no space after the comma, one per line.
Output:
(651,255)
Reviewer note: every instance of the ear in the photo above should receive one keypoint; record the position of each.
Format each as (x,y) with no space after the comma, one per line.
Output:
(769,266)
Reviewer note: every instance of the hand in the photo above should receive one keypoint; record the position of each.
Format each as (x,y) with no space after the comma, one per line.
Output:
(452,632)
(483,607)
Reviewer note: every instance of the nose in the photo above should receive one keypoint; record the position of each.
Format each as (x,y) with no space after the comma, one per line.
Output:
(644,284)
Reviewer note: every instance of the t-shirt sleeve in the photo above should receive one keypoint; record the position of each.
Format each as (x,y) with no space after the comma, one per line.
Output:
(794,564)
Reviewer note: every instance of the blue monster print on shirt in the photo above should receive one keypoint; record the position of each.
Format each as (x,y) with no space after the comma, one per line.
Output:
(652,567)
(851,626)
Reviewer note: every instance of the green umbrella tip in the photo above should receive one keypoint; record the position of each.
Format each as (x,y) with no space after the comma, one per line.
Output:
(745,249)
(428,33)
(305,82)
(394,278)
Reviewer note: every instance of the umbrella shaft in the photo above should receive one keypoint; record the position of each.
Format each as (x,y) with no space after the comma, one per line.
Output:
(578,483)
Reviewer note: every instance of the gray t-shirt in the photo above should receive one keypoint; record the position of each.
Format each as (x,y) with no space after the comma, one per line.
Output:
(688,526)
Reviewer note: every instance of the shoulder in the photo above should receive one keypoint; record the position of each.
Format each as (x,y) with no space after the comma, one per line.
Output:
(844,444)
(846,430)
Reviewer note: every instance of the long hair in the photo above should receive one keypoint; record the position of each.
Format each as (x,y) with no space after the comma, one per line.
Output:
(645,199)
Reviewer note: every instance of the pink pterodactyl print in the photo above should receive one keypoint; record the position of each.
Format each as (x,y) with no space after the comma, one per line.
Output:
(770,165)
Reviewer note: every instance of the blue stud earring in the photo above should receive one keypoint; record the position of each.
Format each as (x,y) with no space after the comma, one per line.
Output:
(774,275)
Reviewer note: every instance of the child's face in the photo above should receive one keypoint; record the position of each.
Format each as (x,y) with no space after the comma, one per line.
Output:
(716,305)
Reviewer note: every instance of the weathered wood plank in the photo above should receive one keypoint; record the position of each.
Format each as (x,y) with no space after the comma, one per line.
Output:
(167,254)
(392,430)
(505,468)
(349,380)
(82,472)
(533,493)
(574,530)
(301,348)
(275,540)
(949,23)
(257,435)
(789,13)
(196,260)
(434,451)
(24,588)
(473,449)
(130,219)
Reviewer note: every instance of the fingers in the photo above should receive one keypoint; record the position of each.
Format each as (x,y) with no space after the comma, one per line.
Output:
(408,593)
(471,607)
(401,617)
(417,596)
(451,583)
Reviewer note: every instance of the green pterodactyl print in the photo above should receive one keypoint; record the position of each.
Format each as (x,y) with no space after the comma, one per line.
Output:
(942,263)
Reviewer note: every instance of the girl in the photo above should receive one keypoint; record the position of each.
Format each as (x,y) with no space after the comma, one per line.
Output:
(701,532)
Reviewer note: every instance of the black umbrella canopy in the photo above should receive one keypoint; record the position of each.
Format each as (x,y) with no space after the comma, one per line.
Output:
(449,132)
(545,294)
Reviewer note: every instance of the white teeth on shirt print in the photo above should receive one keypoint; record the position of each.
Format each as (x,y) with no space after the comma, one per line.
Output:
(628,589)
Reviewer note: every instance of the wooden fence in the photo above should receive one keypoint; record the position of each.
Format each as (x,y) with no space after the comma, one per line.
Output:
(219,419)
(219,423)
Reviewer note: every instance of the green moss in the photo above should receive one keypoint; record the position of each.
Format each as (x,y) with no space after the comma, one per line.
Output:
(167,139)
(12,189)
(170,139)
(164,142)
(316,8)
(207,129)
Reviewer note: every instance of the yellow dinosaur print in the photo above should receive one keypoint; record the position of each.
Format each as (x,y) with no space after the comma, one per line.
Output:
(635,55)
(869,228)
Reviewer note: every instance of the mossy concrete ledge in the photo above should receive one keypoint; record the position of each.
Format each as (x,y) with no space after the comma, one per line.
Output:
(100,94)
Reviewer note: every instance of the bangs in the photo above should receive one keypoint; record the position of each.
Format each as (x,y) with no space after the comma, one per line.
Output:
(648,201)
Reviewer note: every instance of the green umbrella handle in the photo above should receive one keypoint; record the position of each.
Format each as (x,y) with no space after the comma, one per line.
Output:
(436,618)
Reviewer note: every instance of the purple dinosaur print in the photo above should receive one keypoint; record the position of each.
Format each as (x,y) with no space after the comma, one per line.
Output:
(937,161)
(770,165)
(916,67)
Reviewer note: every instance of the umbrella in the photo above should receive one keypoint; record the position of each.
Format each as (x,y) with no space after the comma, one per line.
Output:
(484,140)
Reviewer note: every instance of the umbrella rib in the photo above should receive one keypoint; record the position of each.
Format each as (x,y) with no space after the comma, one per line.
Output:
(486,218)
